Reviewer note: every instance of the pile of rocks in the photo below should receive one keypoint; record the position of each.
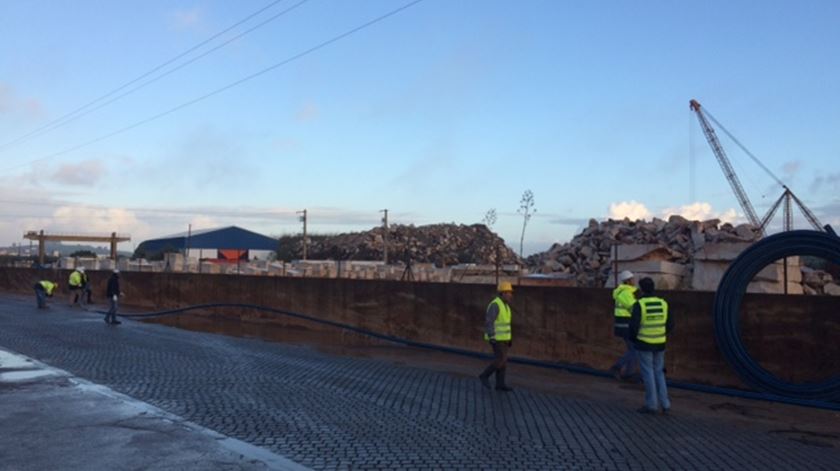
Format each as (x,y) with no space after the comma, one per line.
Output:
(587,256)
(440,244)
(819,282)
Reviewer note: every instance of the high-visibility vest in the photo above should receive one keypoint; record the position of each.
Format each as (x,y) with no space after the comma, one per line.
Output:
(48,286)
(502,323)
(653,320)
(624,297)
(75,279)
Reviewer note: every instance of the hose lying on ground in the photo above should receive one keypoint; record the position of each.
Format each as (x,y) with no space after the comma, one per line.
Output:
(727,305)
(473,354)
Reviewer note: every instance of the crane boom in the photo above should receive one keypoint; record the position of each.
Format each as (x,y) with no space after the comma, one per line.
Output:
(726,165)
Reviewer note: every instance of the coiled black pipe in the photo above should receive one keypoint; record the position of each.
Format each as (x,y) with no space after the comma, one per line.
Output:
(730,294)
(469,353)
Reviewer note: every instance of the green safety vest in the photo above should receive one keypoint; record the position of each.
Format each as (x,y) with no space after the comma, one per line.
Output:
(75,279)
(49,287)
(653,320)
(624,297)
(502,323)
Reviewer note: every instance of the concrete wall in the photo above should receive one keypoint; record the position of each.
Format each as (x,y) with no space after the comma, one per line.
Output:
(795,337)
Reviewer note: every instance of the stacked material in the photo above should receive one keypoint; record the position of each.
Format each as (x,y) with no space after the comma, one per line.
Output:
(665,250)
(439,244)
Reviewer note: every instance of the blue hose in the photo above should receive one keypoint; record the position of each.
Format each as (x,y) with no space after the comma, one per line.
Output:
(469,353)
(730,294)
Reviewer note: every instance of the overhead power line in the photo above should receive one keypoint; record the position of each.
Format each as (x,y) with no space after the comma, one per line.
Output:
(77,113)
(224,88)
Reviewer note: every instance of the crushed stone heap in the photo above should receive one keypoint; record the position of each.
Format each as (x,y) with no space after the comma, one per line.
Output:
(587,257)
(440,244)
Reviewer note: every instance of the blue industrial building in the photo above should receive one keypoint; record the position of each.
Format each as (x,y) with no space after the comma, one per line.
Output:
(225,243)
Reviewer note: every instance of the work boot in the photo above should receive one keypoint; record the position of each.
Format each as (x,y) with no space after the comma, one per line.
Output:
(500,381)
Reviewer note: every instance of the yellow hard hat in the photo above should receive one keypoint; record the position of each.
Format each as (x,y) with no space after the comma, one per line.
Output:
(505,286)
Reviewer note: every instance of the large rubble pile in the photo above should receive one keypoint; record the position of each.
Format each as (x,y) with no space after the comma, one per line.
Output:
(587,257)
(816,281)
(440,244)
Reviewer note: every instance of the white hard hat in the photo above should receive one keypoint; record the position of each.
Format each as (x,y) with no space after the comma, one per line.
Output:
(81,269)
(625,275)
(116,270)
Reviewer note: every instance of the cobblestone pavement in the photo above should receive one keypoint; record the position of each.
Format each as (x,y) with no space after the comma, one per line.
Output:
(332,412)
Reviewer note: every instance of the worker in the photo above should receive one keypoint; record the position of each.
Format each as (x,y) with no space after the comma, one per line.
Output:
(497,331)
(624,297)
(79,286)
(113,293)
(44,289)
(650,324)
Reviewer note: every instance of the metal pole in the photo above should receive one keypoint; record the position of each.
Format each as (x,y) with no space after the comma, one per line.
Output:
(114,247)
(305,242)
(385,236)
(786,275)
(189,240)
(498,263)
(615,264)
(41,248)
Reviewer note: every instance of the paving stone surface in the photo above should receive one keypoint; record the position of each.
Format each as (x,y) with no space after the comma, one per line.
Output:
(331,412)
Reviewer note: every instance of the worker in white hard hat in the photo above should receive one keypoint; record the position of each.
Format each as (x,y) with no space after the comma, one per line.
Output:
(624,297)
(497,331)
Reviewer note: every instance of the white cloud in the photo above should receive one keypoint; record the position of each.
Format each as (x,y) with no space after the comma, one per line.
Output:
(13,105)
(629,209)
(96,220)
(84,173)
(700,211)
(205,222)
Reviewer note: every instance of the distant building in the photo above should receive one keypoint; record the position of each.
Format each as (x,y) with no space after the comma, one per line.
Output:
(230,243)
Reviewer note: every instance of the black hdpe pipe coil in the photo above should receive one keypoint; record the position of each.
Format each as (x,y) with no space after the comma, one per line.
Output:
(730,294)
(469,353)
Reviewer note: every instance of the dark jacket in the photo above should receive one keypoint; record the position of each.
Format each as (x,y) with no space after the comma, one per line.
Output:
(113,286)
(636,320)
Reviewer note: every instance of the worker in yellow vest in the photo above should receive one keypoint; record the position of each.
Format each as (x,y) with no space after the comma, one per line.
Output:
(43,290)
(624,297)
(79,287)
(497,331)
(650,324)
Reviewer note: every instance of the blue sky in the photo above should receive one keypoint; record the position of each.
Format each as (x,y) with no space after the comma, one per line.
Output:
(438,113)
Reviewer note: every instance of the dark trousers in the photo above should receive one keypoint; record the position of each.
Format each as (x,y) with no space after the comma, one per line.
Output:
(40,296)
(499,365)
(112,312)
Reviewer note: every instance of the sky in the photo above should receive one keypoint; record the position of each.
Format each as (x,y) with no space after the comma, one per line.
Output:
(146,117)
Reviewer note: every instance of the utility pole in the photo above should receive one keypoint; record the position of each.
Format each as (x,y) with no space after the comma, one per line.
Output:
(189,236)
(385,236)
(303,220)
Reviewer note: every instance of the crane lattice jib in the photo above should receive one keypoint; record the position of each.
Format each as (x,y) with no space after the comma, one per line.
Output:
(726,165)
(810,216)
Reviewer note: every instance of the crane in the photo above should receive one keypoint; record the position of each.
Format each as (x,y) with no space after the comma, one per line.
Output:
(726,165)
(788,197)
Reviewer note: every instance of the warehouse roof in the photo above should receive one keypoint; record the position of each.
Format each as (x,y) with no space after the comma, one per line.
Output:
(231,237)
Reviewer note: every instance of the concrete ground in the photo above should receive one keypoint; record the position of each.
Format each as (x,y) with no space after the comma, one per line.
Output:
(52,420)
(345,402)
